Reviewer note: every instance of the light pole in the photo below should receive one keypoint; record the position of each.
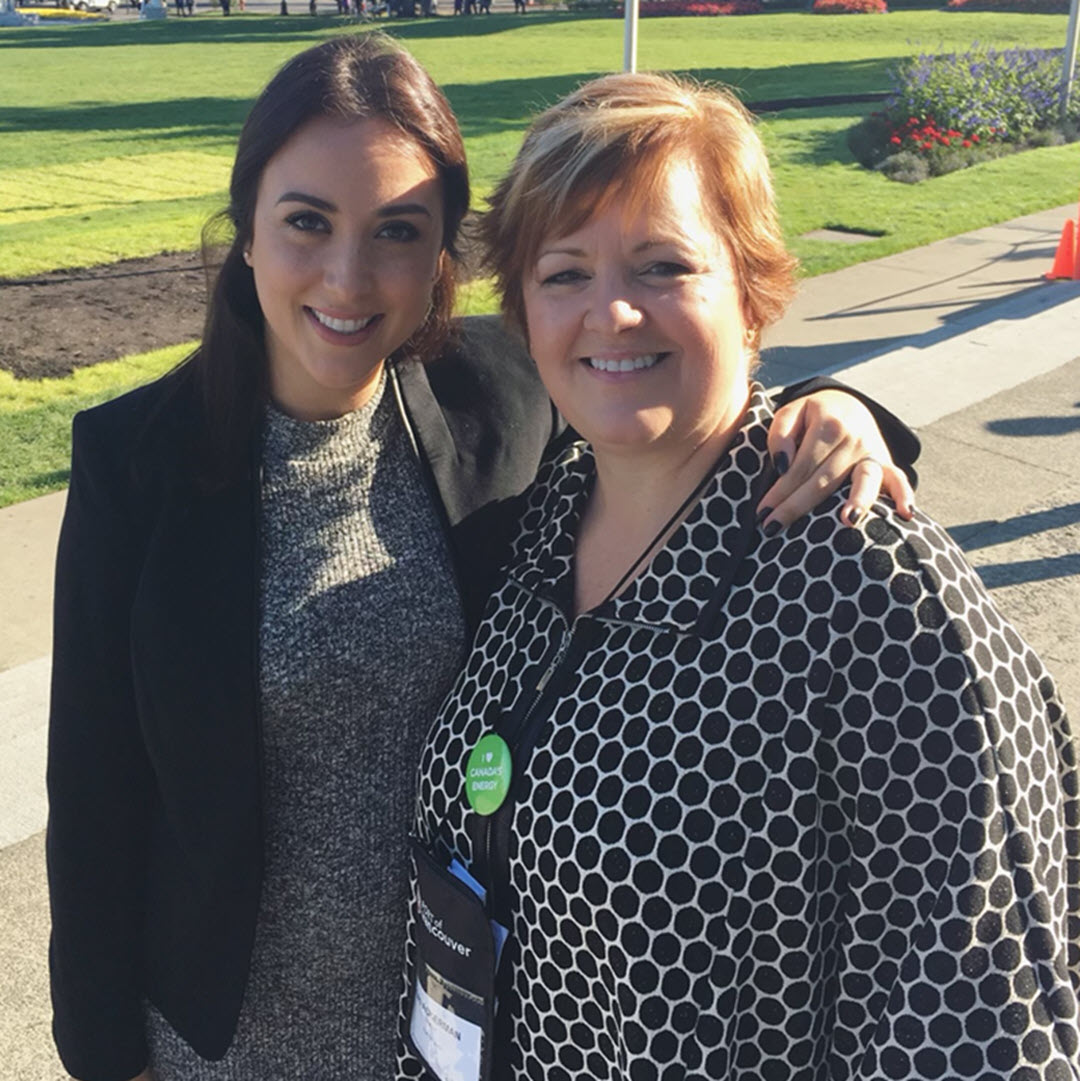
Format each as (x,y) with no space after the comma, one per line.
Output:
(1069,69)
(630,17)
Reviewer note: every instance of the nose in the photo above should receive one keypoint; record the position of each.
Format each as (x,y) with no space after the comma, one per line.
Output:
(613,308)
(347,272)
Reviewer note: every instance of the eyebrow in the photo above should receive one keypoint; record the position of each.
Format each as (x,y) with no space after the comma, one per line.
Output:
(579,253)
(303,197)
(394,210)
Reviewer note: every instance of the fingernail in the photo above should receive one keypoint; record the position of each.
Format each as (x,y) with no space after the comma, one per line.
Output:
(772,529)
(857,515)
(780,460)
(763,514)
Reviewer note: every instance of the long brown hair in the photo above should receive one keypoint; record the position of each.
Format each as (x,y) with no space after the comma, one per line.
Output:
(348,78)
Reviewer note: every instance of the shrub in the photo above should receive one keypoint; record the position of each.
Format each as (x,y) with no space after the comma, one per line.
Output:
(849,7)
(1029,7)
(906,167)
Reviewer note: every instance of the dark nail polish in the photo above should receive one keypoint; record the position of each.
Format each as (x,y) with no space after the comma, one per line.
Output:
(781,462)
(763,514)
(772,529)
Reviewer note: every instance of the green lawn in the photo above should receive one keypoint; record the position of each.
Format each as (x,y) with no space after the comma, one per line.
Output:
(135,164)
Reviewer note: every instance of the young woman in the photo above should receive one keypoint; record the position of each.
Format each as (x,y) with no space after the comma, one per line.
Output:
(708,803)
(269,570)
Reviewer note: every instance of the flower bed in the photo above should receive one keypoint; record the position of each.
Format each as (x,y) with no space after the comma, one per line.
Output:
(63,14)
(1027,7)
(849,7)
(949,112)
(666,8)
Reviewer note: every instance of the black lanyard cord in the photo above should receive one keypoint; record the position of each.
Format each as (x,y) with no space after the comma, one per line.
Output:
(682,509)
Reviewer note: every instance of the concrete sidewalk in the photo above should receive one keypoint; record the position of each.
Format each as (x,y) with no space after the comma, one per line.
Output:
(962,338)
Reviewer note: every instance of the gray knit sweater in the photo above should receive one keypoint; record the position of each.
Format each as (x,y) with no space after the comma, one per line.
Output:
(361,636)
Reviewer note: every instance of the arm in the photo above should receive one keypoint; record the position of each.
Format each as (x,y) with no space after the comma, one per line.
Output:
(822,434)
(957,787)
(98,778)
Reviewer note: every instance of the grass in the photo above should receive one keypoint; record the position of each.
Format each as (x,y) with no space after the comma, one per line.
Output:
(136,161)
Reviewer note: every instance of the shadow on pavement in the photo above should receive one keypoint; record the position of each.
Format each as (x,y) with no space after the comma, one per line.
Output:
(997,575)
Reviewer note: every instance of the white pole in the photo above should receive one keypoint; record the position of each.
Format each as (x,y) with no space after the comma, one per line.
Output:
(629,59)
(1070,55)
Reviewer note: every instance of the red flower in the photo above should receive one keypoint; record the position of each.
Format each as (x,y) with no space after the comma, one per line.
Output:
(975,138)
(966,143)
(947,141)
(928,146)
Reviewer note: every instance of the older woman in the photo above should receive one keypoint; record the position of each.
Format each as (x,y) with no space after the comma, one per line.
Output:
(709,802)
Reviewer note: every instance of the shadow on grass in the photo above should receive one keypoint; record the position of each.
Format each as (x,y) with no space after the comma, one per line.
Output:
(300,28)
(216,116)
(516,101)
(54,478)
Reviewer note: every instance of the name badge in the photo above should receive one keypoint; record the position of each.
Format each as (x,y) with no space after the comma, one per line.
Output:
(453,1005)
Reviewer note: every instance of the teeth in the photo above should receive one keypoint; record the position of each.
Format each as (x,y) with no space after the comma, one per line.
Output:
(629,365)
(342,326)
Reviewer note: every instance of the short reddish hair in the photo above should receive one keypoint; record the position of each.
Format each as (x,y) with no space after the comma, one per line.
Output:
(615,137)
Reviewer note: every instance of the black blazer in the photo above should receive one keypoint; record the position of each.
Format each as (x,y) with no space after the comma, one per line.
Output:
(154,842)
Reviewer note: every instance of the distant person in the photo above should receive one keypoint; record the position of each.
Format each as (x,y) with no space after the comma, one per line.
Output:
(519,6)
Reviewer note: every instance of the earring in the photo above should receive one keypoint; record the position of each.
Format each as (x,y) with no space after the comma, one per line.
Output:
(247,256)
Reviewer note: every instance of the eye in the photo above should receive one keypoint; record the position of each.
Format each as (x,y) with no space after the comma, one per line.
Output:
(308,221)
(401,231)
(666,269)
(570,276)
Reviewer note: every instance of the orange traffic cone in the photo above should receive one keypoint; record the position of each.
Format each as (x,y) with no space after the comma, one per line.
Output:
(1067,260)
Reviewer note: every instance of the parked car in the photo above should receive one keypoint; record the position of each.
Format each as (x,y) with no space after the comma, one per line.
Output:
(95,5)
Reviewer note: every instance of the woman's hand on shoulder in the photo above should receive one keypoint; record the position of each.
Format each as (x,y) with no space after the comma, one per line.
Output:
(817,443)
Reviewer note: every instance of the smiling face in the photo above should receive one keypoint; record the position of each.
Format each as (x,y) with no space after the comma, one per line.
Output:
(346,245)
(637,328)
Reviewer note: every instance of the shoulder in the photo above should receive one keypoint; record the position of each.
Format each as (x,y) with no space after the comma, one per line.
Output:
(898,602)
(170,401)
(140,432)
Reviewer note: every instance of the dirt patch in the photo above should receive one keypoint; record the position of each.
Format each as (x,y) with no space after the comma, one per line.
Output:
(67,319)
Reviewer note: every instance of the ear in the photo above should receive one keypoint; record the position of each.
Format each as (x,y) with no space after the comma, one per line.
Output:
(247,256)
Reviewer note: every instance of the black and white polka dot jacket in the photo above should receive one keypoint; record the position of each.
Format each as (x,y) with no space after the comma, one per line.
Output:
(826,826)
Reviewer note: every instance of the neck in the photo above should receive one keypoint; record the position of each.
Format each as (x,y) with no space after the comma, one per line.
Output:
(636,493)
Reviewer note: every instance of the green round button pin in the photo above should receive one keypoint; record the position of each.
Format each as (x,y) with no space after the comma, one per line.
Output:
(487,774)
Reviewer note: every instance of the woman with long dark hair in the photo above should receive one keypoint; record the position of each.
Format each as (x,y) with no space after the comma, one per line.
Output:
(269,569)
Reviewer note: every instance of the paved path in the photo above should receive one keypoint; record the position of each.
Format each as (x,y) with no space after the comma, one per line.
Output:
(962,338)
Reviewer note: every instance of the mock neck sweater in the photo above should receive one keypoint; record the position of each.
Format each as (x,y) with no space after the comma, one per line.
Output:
(361,634)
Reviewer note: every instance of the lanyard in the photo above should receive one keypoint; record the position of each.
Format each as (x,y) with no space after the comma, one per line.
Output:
(682,509)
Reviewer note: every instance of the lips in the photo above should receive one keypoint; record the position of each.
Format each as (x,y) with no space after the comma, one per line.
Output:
(624,364)
(340,326)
